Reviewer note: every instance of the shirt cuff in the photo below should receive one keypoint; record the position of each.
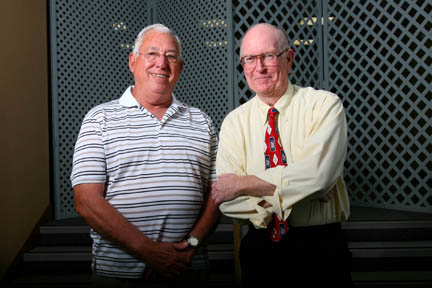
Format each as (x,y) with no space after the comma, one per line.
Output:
(263,215)
(274,176)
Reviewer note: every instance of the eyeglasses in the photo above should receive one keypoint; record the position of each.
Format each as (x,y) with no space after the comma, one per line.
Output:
(268,60)
(153,56)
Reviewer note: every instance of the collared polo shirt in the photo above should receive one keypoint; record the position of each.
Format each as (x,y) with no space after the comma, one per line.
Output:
(156,173)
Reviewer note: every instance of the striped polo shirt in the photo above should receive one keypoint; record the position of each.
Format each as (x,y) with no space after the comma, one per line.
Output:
(156,173)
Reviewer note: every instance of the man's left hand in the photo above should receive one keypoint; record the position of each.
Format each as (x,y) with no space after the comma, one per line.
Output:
(226,188)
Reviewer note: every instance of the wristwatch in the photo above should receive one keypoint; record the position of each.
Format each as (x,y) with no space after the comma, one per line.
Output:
(193,241)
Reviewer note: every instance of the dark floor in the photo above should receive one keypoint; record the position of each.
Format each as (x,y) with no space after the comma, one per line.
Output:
(390,249)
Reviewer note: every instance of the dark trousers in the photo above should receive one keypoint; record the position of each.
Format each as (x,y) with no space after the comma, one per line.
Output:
(305,256)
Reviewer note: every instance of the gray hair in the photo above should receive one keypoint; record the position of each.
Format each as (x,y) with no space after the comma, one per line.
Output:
(157,27)
(283,42)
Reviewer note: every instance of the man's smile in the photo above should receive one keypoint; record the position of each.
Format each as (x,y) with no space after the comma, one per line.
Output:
(159,75)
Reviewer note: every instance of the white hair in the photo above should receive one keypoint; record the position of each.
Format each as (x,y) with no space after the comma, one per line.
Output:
(157,27)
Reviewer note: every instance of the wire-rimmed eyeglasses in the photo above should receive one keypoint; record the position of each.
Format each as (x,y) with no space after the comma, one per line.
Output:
(267,59)
(153,56)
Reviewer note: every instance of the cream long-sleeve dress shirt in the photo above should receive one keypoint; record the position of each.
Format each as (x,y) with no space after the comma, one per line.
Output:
(313,132)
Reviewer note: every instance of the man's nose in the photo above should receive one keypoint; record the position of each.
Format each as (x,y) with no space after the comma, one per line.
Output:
(162,60)
(259,64)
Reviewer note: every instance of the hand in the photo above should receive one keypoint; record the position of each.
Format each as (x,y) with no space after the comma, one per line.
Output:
(180,246)
(187,251)
(226,188)
(168,259)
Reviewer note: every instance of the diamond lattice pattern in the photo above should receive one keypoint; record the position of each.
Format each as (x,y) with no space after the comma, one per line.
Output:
(379,55)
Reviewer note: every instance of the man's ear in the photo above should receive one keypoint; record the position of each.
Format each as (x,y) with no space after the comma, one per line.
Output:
(181,64)
(290,59)
(290,55)
(132,60)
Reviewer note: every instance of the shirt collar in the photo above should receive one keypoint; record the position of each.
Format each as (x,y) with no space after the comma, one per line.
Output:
(281,105)
(128,100)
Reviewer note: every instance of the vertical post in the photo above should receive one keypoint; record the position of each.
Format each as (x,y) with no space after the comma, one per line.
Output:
(231,54)
(232,84)
(151,10)
(324,44)
(237,235)
(54,111)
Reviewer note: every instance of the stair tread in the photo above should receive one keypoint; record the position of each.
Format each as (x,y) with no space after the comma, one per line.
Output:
(391,244)
(58,248)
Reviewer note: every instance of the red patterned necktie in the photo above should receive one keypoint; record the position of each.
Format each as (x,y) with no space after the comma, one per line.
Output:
(274,156)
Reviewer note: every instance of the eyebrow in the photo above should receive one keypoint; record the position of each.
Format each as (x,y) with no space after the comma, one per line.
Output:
(270,51)
(157,49)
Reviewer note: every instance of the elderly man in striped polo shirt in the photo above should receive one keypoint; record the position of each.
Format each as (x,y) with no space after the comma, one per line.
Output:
(142,170)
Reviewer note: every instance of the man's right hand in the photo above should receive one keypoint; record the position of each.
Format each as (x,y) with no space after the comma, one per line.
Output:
(167,260)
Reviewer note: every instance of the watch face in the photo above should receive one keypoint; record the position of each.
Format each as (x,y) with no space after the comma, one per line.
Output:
(193,241)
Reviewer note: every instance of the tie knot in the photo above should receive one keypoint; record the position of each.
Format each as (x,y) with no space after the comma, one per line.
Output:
(272,112)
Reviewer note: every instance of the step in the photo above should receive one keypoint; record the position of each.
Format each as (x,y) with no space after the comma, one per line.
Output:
(69,240)
(407,230)
(83,253)
(76,232)
(58,254)
(392,279)
(391,249)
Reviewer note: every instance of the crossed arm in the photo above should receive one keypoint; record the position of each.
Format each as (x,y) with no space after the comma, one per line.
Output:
(230,186)
(168,259)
